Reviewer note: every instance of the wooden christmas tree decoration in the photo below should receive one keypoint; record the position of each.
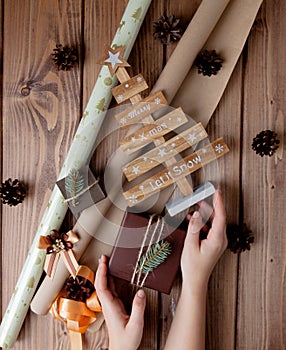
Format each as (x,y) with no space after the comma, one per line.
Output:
(153,131)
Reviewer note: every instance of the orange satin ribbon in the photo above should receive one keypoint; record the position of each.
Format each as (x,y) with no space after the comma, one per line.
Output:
(52,259)
(76,314)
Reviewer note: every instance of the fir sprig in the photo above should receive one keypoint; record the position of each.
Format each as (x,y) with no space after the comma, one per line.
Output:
(74,184)
(154,257)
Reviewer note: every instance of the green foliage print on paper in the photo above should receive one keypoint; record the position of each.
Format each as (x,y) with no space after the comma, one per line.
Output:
(38,261)
(31,282)
(136,15)
(7,342)
(108,81)
(101,105)
(74,184)
(154,257)
(122,24)
(115,46)
(85,114)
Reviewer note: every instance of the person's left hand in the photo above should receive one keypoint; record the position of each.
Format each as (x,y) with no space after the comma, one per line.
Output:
(125,332)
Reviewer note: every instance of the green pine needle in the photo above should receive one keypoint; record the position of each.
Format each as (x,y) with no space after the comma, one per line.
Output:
(74,184)
(154,257)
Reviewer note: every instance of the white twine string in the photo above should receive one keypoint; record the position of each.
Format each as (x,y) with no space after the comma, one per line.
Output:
(81,192)
(142,247)
(159,221)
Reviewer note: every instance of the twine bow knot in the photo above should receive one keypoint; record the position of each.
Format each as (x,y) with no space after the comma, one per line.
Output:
(59,245)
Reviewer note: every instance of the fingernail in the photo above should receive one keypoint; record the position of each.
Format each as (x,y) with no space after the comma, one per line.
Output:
(141,293)
(196,215)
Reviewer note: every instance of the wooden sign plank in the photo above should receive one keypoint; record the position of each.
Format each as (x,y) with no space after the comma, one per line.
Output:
(162,153)
(153,131)
(129,88)
(142,109)
(179,170)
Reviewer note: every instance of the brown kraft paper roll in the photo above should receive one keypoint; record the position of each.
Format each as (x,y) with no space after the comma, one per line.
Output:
(191,43)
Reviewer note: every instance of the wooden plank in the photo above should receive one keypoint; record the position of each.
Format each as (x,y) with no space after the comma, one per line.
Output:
(181,169)
(129,88)
(262,292)
(1,133)
(184,10)
(155,130)
(142,60)
(101,19)
(172,147)
(139,111)
(222,291)
(41,109)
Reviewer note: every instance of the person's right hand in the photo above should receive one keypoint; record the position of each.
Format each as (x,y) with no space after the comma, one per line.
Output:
(199,257)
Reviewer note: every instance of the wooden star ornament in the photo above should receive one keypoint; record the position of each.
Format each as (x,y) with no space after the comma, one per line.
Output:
(113,58)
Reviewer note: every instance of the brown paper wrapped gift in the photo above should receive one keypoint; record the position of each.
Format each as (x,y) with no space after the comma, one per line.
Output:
(134,236)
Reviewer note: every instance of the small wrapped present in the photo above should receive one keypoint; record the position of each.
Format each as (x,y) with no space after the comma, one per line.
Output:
(80,190)
(147,252)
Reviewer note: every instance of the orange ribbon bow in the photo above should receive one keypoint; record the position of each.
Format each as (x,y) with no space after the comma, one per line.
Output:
(59,245)
(77,315)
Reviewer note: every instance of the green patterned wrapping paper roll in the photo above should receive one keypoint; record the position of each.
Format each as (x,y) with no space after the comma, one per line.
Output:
(78,155)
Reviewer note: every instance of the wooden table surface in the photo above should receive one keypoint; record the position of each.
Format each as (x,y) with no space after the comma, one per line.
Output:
(41,108)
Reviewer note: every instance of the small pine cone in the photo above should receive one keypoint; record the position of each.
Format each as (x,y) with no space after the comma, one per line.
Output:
(64,57)
(78,288)
(239,238)
(167,29)
(208,62)
(265,143)
(12,192)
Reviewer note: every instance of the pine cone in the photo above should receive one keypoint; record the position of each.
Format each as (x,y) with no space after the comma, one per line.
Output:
(12,192)
(208,62)
(64,57)
(265,143)
(78,288)
(239,238)
(167,29)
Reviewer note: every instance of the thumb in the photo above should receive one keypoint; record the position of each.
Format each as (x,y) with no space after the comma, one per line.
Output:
(195,225)
(138,308)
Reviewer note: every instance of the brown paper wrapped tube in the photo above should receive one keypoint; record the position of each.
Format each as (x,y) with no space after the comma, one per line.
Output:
(49,289)
(199,95)
(191,43)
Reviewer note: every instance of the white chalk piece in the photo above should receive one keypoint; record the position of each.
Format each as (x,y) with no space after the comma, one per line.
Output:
(178,205)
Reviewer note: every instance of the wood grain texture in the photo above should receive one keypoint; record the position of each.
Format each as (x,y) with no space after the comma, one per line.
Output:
(1,133)
(185,11)
(153,131)
(141,110)
(38,124)
(41,109)
(175,172)
(177,144)
(129,88)
(261,297)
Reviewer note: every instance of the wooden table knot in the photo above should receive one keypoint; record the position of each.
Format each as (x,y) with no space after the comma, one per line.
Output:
(25,90)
